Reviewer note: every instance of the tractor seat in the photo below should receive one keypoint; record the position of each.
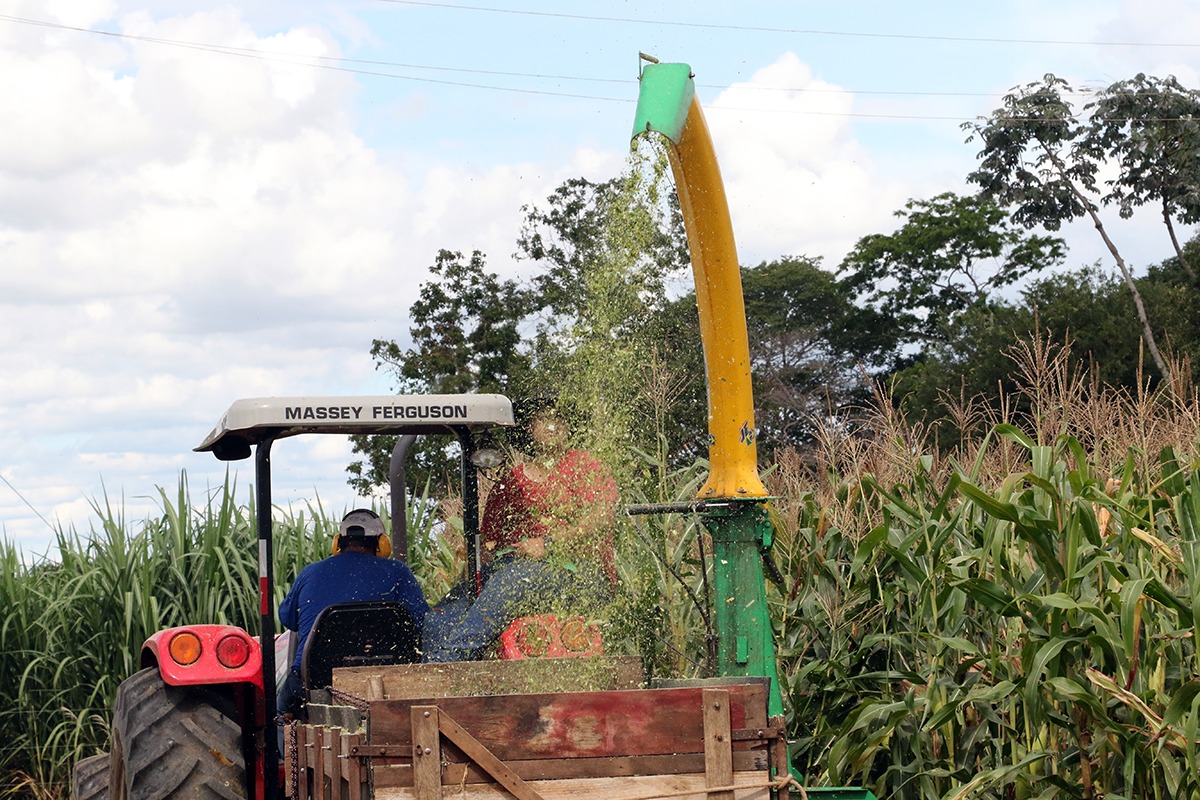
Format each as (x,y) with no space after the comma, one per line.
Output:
(358,635)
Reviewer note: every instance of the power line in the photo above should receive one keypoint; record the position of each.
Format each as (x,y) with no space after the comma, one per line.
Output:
(283,58)
(338,62)
(770,29)
(26,502)
(261,55)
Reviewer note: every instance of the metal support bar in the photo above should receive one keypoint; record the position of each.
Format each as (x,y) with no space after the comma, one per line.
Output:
(398,489)
(266,591)
(470,498)
(689,507)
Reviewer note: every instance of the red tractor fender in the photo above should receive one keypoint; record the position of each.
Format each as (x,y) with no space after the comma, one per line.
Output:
(205,654)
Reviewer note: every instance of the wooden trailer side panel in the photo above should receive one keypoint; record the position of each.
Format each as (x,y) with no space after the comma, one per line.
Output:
(703,742)
(569,725)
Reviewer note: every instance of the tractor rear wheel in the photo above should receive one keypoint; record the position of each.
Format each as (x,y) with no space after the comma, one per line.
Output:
(173,742)
(89,778)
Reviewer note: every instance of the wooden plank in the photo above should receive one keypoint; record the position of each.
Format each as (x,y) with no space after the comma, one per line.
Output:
(330,766)
(397,774)
(289,760)
(578,724)
(480,755)
(351,768)
(780,764)
(317,761)
(302,756)
(427,753)
(752,786)
(718,749)
(474,678)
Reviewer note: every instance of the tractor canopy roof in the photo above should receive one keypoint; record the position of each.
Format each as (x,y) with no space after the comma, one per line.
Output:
(258,419)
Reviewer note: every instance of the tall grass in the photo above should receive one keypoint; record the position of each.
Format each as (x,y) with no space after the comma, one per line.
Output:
(72,625)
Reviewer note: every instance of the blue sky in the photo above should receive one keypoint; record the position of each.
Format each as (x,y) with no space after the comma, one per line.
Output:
(205,201)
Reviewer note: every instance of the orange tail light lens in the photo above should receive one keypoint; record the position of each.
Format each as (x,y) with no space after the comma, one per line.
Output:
(184,648)
(577,635)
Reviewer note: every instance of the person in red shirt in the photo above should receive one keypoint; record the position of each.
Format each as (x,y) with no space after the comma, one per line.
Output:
(558,504)
(547,534)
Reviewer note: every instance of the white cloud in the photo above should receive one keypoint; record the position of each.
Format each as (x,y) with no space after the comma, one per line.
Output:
(797,180)
(180,228)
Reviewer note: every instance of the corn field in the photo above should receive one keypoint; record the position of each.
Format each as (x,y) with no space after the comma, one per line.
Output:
(1012,619)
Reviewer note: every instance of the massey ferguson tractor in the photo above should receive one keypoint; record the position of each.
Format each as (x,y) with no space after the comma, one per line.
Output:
(199,720)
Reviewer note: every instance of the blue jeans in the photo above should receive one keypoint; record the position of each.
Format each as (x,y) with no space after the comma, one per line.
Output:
(291,694)
(462,628)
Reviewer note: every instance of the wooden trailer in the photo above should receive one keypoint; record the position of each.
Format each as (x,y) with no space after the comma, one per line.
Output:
(537,728)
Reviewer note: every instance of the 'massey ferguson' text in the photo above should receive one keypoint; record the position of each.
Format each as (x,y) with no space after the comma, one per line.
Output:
(449,411)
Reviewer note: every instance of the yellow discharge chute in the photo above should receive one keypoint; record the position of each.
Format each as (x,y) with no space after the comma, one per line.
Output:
(667,104)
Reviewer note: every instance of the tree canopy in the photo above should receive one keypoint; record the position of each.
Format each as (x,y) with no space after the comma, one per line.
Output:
(952,254)
(603,328)
(1045,163)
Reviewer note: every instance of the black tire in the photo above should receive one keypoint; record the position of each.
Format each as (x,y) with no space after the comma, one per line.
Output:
(173,742)
(89,779)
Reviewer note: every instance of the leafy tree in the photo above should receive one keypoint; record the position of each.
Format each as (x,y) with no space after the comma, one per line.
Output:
(1042,160)
(584,223)
(605,255)
(808,343)
(951,254)
(1151,128)
(465,331)
(1090,310)
(466,338)
(972,366)
(804,365)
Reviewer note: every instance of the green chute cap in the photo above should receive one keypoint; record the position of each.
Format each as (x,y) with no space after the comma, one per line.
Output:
(664,99)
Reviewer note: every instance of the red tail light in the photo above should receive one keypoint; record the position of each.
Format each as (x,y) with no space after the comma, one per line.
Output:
(233,651)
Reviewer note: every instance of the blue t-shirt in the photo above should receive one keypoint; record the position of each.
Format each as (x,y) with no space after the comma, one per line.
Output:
(346,578)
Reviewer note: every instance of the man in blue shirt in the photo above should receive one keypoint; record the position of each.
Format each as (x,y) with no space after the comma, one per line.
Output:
(359,569)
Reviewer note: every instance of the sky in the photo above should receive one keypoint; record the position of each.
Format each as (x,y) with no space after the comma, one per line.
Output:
(203,201)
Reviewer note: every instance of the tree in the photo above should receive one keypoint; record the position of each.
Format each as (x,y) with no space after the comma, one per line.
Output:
(466,338)
(971,367)
(1151,128)
(606,253)
(951,254)
(808,343)
(584,223)
(1042,161)
(465,331)
(804,366)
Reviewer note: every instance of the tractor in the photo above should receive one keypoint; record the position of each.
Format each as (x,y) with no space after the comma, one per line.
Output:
(199,720)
